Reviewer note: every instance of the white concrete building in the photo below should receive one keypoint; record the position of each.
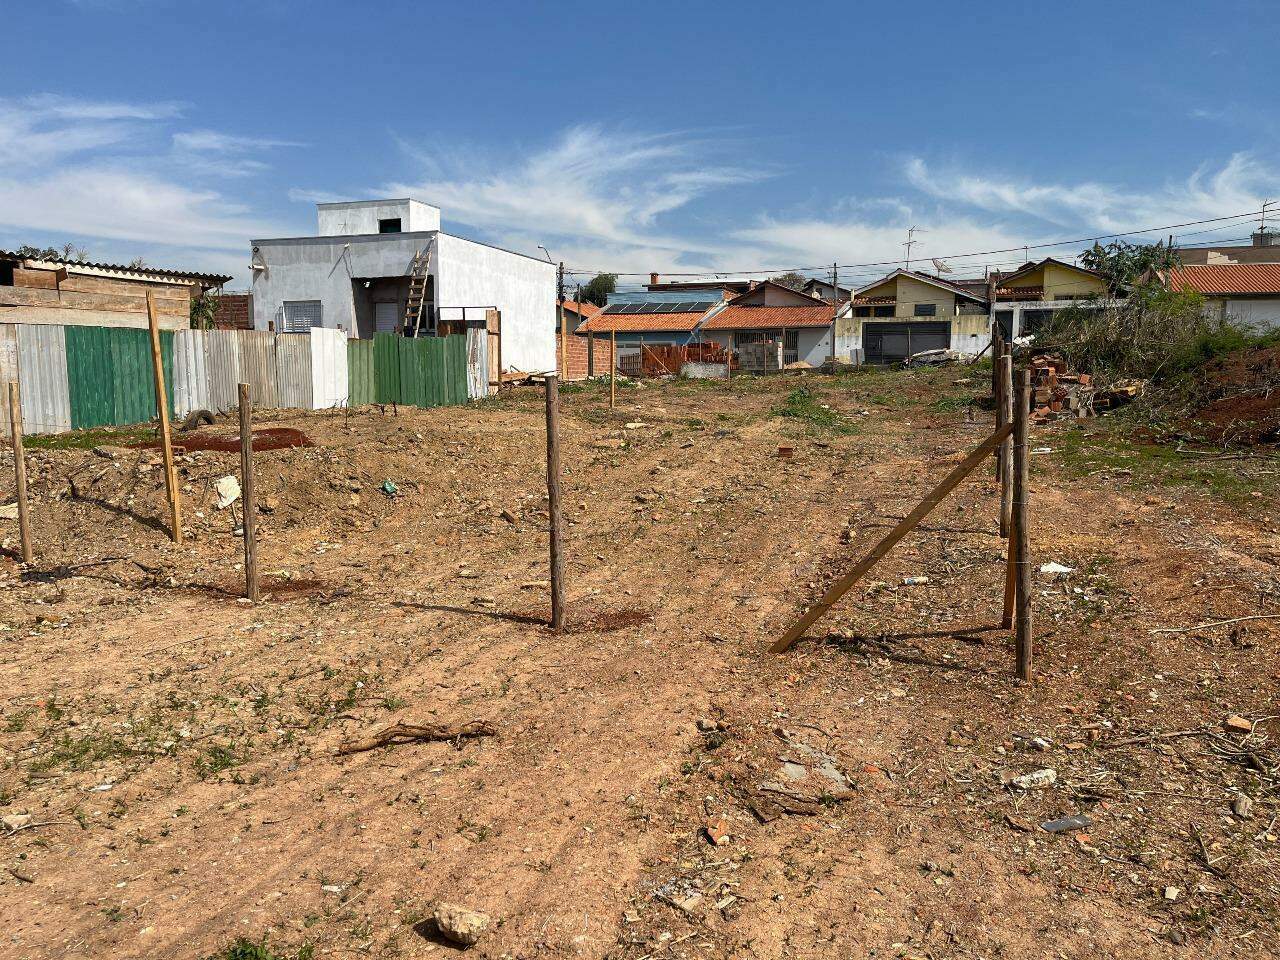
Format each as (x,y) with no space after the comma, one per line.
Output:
(373,261)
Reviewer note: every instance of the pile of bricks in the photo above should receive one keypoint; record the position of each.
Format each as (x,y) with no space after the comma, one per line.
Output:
(1056,392)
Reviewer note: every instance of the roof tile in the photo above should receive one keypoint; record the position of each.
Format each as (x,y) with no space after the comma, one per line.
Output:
(1238,278)
(746,317)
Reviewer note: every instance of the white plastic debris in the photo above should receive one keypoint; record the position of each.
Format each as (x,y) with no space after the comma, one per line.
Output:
(228,490)
(1036,778)
(1056,569)
(914,581)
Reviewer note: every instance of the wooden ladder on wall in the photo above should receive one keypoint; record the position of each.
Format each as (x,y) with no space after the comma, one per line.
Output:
(418,275)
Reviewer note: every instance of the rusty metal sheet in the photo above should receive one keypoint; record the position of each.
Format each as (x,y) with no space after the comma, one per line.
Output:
(190,372)
(42,371)
(477,363)
(224,370)
(293,370)
(258,366)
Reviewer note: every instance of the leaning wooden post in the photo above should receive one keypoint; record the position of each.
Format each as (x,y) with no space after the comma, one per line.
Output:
(553,501)
(905,526)
(1023,621)
(247,496)
(1004,414)
(20,469)
(613,369)
(162,408)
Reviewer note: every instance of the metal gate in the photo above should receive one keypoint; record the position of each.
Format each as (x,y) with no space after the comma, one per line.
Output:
(895,342)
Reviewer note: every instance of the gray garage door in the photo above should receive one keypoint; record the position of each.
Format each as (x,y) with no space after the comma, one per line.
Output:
(894,342)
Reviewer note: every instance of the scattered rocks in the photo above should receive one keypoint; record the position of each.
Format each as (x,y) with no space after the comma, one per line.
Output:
(1242,807)
(717,833)
(460,924)
(1077,822)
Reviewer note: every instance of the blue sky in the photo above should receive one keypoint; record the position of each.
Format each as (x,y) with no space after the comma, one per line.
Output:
(634,137)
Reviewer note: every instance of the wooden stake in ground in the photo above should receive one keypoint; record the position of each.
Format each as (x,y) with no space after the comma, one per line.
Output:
(1023,621)
(613,369)
(247,496)
(997,351)
(1004,457)
(905,526)
(553,501)
(162,408)
(20,469)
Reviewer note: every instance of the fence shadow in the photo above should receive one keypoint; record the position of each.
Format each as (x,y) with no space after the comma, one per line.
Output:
(153,522)
(473,612)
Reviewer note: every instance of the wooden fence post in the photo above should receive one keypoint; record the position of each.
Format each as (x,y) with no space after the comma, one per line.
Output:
(248,496)
(20,469)
(1004,414)
(162,408)
(1023,624)
(613,369)
(553,501)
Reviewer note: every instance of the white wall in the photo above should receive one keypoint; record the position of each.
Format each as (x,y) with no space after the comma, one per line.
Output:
(471,274)
(1262,313)
(322,268)
(362,216)
(813,345)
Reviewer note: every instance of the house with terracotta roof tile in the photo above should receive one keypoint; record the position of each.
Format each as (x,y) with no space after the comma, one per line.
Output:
(1246,293)
(1027,297)
(909,312)
(768,312)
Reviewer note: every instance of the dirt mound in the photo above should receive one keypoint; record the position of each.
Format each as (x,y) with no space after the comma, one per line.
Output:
(1236,399)
(272,438)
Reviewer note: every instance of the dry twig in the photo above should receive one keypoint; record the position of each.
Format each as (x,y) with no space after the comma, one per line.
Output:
(413,732)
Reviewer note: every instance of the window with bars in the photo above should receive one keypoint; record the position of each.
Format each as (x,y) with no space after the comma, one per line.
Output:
(301,315)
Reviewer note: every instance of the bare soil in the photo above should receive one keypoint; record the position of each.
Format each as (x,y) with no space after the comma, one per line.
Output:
(176,747)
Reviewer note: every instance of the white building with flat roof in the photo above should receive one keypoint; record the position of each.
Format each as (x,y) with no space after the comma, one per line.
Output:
(385,266)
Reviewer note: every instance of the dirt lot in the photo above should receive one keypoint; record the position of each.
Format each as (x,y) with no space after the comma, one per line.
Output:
(176,748)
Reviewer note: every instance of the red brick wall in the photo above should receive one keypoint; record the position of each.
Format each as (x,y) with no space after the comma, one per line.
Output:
(233,312)
(577,352)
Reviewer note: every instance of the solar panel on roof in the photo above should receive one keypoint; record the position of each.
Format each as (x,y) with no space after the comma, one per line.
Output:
(651,308)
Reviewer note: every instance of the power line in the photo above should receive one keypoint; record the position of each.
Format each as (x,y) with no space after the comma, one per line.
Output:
(950,256)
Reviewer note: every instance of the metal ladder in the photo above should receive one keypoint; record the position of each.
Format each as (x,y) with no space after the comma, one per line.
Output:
(418,270)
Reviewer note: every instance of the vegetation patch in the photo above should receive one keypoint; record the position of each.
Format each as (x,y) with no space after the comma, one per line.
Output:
(88,439)
(804,405)
(1113,447)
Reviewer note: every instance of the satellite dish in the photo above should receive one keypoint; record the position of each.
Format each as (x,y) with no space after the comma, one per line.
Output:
(941,266)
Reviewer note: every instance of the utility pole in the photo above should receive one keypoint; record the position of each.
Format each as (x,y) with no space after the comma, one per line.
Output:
(564,344)
(835,310)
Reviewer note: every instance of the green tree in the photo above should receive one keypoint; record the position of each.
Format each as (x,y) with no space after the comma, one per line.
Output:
(204,309)
(1124,263)
(599,287)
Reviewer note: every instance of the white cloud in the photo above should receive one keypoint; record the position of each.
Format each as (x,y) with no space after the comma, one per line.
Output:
(220,154)
(606,190)
(124,204)
(1238,186)
(98,171)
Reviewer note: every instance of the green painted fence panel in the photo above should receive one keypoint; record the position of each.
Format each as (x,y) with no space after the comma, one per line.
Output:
(110,378)
(386,362)
(361,378)
(89,376)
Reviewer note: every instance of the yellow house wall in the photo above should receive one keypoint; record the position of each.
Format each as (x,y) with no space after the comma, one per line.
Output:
(1059,282)
(911,292)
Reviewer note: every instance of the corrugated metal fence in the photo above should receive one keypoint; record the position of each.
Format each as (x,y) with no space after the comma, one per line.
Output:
(78,377)
(421,372)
